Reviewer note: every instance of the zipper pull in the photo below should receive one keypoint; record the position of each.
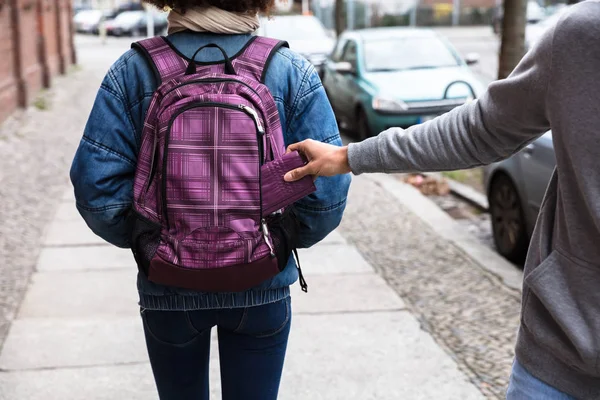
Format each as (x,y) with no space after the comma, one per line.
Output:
(303,284)
(252,112)
(265,230)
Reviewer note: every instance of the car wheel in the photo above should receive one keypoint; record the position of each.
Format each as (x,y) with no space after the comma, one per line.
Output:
(508,220)
(362,125)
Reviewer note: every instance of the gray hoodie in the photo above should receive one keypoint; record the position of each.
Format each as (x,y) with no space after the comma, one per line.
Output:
(556,86)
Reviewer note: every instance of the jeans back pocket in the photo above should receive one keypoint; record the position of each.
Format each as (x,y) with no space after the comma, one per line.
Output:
(266,320)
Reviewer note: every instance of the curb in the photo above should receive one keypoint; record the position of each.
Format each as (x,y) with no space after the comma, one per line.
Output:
(447,228)
(464,192)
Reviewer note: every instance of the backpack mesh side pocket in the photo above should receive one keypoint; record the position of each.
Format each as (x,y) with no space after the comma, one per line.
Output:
(145,238)
(284,230)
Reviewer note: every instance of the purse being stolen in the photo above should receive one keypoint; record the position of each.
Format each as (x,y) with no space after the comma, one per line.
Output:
(276,192)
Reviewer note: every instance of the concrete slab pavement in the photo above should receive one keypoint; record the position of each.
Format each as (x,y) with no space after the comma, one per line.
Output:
(78,333)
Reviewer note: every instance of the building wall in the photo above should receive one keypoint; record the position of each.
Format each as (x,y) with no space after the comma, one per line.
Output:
(35,44)
(8,82)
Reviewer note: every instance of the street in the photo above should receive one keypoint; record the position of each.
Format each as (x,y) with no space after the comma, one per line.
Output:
(480,40)
(413,315)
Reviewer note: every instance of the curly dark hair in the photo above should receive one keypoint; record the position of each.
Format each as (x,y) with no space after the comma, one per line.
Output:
(240,6)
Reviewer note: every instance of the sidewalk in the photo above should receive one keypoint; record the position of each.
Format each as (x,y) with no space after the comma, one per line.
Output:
(78,334)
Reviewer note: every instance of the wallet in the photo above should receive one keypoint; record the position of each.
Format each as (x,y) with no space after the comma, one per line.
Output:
(276,192)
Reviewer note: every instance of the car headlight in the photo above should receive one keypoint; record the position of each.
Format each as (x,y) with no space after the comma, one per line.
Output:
(388,105)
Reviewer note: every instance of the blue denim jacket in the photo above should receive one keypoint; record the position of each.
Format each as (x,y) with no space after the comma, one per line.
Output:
(104,166)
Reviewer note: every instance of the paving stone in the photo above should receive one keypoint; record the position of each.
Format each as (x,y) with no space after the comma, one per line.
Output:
(67,211)
(355,358)
(126,382)
(457,301)
(68,195)
(82,258)
(345,293)
(72,294)
(340,259)
(69,233)
(333,238)
(57,343)
(36,150)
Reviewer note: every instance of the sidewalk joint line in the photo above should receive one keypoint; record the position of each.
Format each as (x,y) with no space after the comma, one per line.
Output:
(67,367)
(62,246)
(350,312)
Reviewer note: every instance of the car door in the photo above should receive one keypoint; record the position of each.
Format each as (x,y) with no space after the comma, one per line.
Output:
(330,77)
(346,84)
(537,163)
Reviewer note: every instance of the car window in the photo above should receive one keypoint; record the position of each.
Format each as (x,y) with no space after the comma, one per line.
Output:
(409,53)
(339,50)
(553,19)
(160,18)
(292,28)
(130,17)
(350,53)
(88,16)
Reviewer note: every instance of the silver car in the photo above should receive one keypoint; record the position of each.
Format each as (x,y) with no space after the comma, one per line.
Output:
(304,33)
(515,189)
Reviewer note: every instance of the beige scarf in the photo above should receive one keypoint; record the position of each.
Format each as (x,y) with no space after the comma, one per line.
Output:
(212,19)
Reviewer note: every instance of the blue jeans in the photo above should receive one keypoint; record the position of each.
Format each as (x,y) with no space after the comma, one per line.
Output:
(252,345)
(524,386)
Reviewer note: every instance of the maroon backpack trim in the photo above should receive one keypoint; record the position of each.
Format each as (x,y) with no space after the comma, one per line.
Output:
(236,278)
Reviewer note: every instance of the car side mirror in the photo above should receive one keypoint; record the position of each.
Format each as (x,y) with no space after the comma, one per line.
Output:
(472,58)
(344,67)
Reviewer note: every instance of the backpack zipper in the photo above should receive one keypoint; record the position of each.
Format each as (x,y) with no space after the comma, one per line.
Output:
(207,81)
(259,135)
(192,82)
(261,131)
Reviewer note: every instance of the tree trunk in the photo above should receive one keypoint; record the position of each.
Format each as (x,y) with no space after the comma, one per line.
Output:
(339,17)
(513,36)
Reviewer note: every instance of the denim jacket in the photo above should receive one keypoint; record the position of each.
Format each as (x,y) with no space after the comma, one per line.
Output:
(104,166)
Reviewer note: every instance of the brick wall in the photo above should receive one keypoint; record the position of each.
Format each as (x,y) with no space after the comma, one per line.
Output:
(8,83)
(35,45)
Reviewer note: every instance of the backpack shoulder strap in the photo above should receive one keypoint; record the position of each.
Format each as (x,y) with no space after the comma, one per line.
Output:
(165,61)
(255,58)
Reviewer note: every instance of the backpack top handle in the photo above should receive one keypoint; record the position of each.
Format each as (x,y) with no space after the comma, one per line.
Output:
(191,68)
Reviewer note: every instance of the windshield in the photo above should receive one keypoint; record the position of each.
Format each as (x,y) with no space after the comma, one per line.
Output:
(407,53)
(553,19)
(129,17)
(88,15)
(293,28)
(535,11)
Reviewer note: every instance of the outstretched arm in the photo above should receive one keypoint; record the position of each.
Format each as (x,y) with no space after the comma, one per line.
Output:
(510,115)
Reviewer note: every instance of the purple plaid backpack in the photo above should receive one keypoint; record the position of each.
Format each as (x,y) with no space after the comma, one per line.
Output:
(211,211)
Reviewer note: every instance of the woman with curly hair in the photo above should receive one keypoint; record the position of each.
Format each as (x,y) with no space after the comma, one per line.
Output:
(253,325)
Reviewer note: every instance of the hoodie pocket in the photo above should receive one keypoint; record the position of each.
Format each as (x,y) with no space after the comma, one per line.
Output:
(562,310)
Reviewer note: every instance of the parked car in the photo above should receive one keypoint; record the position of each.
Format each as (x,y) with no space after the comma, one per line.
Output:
(87,21)
(385,77)
(515,189)
(112,14)
(534,32)
(135,23)
(79,8)
(304,33)
(535,13)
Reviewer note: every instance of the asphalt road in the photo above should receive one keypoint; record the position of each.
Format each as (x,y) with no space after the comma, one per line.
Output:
(480,40)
